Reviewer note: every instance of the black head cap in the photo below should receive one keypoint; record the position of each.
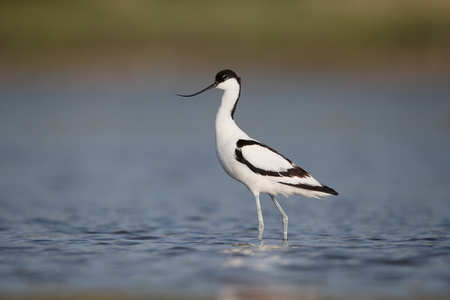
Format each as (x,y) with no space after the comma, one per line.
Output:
(225,75)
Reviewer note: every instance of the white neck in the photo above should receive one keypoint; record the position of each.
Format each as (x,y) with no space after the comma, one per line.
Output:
(225,126)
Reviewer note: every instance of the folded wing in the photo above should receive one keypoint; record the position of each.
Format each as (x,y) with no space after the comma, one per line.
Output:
(263,160)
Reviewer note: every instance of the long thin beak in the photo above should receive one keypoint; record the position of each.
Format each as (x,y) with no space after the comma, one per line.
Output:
(204,90)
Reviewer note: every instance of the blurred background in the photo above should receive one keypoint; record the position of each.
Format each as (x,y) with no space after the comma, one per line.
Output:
(108,181)
(131,37)
(122,50)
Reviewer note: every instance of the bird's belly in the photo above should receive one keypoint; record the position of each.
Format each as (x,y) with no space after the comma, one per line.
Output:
(256,183)
(239,171)
(228,161)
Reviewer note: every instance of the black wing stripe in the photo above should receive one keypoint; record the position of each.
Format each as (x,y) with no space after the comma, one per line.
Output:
(321,188)
(295,171)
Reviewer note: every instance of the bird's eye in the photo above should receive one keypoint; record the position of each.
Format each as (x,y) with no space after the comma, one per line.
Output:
(225,77)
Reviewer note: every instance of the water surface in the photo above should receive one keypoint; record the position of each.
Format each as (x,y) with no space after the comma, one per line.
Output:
(117,188)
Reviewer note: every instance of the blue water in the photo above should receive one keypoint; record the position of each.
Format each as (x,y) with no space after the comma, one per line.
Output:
(114,186)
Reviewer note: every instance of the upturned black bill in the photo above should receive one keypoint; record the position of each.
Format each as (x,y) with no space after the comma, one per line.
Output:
(204,90)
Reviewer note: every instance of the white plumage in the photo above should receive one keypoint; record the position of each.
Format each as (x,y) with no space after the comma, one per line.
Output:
(257,166)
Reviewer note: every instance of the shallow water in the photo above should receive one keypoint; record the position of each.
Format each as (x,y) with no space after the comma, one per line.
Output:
(117,188)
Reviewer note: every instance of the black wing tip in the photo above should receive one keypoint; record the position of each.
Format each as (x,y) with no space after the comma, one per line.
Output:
(326,189)
(329,190)
(317,188)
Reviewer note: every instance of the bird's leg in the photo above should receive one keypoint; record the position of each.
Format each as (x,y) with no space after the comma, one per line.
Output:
(260,217)
(283,214)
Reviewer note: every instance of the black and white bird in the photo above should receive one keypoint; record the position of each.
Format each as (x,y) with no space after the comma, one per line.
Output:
(256,165)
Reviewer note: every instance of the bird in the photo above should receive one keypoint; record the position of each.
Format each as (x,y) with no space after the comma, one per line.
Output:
(259,167)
